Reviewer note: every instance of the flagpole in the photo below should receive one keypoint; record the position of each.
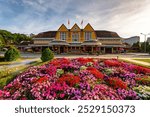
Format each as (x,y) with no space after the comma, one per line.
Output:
(82,24)
(68,24)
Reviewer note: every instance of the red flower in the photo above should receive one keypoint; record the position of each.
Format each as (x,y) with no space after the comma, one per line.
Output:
(112,63)
(42,79)
(59,62)
(117,83)
(85,60)
(145,80)
(70,79)
(95,72)
(140,69)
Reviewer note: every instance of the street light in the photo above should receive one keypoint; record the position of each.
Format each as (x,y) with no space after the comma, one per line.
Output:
(145,40)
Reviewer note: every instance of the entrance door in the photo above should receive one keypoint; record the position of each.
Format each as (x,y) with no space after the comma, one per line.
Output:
(61,49)
(108,50)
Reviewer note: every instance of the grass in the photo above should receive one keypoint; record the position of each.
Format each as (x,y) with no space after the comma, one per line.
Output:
(3,62)
(140,64)
(8,74)
(143,60)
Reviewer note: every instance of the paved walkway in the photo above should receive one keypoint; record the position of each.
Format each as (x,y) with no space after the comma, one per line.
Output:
(16,64)
(122,55)
(125,56)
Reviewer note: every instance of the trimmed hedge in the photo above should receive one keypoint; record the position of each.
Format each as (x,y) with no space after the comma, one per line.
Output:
(12,54)
(47,55)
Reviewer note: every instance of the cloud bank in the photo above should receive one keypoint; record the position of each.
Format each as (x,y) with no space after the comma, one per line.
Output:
(126,17)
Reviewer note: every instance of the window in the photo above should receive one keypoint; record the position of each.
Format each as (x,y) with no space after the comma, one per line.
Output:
(88,36)
(63,35)
(75,36)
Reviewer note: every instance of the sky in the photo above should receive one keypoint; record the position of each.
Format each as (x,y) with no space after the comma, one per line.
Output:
(126,17)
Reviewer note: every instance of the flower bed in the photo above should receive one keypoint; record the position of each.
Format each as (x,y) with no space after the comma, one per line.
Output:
(80,79)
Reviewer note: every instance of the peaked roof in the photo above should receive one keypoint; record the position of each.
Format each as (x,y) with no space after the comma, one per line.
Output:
(48,34)
(99,33)
(76,26)
(88,25)
(104,33)
(63,25)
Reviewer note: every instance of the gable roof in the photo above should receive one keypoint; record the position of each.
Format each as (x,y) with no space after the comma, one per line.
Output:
(48,34)
(104,33)
(89,26)
(99,33)
(75,25)
(63,25)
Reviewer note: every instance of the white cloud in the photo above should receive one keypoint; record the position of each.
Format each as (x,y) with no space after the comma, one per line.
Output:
(127,17)
(57,6)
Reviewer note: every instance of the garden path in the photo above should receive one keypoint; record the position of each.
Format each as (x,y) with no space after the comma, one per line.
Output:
(16,64)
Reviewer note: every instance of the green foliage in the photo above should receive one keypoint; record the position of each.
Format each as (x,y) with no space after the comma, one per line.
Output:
(136,46)
(144,81)
(143,47)
(148,49)
(143,92)
(1,41)
(20,37)
(47,55)
(7,37)
(12,54)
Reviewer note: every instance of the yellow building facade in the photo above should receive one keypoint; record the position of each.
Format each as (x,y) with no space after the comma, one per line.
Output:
(78,41)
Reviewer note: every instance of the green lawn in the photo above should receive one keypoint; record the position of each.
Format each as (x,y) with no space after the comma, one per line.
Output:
(135,63)
(8,74)
(143,60)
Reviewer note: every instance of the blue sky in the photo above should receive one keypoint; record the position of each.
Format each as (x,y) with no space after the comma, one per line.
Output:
(126,17)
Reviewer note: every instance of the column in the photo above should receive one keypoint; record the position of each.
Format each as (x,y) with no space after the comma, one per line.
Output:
(41,49)
(59,50)
(104,50)
(67,49)
(112,50)
(92,49)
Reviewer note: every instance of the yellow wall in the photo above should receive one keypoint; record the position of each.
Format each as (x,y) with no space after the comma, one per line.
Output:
(62,28)
(75,28)
(88,28)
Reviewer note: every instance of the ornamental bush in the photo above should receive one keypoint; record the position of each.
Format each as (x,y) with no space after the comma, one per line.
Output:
(12,54)
(47,55)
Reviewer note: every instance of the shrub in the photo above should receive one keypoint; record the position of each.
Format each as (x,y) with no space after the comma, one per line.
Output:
(12,54)
(47,55)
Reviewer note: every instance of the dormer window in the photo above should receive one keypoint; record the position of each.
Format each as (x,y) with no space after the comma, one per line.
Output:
(63,35)
(88,36)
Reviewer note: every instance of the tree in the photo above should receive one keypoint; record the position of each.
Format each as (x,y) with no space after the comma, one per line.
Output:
(149,48)
(7,36)
(12,54)
(1,41)
(16,38)
(136,46)
(47,55)
(143,47)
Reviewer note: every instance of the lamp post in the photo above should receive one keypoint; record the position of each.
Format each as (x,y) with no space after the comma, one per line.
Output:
(145,37)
